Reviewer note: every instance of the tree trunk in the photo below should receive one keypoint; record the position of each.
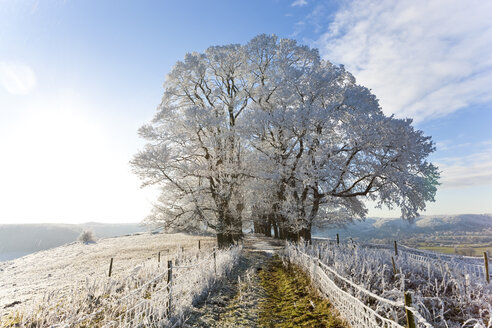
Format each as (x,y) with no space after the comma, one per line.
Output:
(258,226)
(224,240)
(281,231)
(296,236)
(230,231)
(228,238)
(268,228)
(238,223)
(305,234)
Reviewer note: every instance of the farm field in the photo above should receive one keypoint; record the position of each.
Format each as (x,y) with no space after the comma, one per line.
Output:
(469,250)
(463,234)
(33,276)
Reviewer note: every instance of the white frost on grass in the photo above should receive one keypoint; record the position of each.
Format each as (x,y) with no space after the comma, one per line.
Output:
(29,278)
(441,292)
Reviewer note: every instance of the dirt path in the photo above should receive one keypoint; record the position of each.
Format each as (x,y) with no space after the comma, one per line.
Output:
(260,292)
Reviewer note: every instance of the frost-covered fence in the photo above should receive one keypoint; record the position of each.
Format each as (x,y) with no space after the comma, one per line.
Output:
(327,240)
(140,299)
(344,294)
(476,270)
(442,291)
(466,264)
(169,303)
(469,265)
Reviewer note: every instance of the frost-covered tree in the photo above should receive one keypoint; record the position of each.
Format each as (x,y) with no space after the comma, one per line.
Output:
(271,127)
(194,152)
(325,146)
(86,237)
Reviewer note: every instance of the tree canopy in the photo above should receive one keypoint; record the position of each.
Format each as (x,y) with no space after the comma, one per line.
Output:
(270,132)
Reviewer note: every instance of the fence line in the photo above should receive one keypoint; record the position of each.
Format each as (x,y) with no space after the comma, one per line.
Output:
(355,311)
(199,263)
(144,311)
(148,304)
(472,269)
(466,264)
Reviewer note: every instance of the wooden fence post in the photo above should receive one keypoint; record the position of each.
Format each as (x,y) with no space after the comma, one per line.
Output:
(159,257)
(110,267)
(394,266)
(199,245)
(486,263)
(215,263)
(169,283)
(338,239)
(410,318)
(396,249)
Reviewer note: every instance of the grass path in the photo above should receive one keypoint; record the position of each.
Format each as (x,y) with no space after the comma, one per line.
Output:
(261,292)
(291,301)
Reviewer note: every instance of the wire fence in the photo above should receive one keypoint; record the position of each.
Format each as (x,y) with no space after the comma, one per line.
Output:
(168,303)
(383,313)
(162,300)
(473,266)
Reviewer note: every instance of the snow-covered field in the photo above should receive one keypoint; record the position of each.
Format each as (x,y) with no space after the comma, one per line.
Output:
(57,270)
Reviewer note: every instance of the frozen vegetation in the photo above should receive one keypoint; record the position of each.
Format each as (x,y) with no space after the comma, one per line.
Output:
(261,292)
(71,284)
(270,132)
(444,293)
(241,290)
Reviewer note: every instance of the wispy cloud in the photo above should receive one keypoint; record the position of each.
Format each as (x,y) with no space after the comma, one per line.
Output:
(298,28)
(17,78)
(299,3)
(422,59)
(471,170)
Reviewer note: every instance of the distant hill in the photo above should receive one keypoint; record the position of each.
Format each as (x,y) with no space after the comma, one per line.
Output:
(396,228)
(17,240)
(21,239)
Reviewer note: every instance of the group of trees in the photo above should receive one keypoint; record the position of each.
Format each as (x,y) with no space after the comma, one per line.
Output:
(269,132)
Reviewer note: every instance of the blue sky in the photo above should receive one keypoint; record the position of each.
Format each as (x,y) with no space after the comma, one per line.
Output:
(77,79)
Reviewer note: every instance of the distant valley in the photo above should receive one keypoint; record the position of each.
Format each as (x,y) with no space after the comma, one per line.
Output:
(17,240)
(466,234)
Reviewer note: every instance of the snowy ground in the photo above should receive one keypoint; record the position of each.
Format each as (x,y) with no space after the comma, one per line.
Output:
(32,276)
(238,297)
